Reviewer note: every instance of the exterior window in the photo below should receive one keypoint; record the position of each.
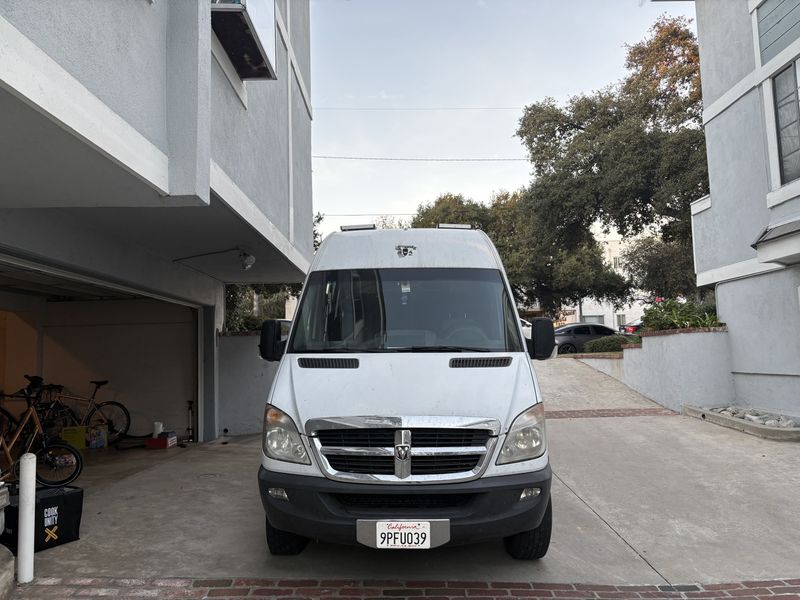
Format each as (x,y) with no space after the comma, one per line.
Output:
(620,320)
(617,262)
(594,319)
(787,116)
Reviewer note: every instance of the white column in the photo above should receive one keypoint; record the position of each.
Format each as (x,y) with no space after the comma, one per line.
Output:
(27,517)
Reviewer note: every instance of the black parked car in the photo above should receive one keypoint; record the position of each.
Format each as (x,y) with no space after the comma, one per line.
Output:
(571,338)
(631,328)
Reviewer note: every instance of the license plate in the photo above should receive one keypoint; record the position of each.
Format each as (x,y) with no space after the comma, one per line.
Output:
(403,534)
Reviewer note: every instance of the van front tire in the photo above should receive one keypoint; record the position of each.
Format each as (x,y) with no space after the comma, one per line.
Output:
(532,544)
(284,543)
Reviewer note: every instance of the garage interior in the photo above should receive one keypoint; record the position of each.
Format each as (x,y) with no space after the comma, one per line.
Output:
(71,332)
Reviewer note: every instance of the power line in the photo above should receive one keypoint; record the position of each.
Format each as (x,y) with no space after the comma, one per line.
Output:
(383,214)
(415,108)
(415,159)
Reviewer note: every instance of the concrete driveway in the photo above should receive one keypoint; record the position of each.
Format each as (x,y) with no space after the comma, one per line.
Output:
(641,497)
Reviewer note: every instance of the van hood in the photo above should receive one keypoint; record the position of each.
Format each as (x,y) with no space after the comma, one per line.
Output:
(404,384)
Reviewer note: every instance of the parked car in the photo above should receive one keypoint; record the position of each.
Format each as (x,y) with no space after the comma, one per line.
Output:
(405,412)
(527,328)
(631,328)
(571,338)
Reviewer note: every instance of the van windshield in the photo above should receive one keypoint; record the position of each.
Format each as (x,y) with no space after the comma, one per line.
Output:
(405,310)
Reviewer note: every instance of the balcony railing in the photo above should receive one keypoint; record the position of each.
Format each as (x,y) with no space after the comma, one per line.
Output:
(246,30)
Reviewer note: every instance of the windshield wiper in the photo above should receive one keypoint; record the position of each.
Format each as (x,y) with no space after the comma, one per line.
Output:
(339,350)
(438,349)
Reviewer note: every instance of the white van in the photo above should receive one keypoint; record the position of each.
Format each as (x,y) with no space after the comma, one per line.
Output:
(405,411)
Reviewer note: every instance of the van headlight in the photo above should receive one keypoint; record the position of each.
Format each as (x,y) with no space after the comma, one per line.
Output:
(525,439)
(281,439)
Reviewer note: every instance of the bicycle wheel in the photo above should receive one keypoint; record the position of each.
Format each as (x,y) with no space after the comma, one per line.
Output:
(112,414)
(57,464)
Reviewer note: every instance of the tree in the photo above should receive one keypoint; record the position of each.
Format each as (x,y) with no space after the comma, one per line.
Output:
(317,239)
(452,208)
(630,156)
(390,222)
(540,269)
(660,268)
(248,305)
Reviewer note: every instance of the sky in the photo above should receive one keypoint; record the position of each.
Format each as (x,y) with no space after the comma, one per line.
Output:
(401,54)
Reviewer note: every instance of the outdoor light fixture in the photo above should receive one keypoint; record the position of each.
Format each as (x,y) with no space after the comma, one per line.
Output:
(248,260)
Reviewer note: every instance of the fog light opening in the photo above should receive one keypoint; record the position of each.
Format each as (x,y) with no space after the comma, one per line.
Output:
(529,493)
(278,493)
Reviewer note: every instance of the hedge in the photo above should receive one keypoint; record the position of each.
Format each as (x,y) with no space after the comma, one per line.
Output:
(612,343)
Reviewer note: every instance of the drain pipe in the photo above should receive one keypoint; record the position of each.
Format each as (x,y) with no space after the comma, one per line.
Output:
(27,517)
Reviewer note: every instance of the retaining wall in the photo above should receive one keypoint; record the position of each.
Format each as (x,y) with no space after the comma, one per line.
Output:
(676,367)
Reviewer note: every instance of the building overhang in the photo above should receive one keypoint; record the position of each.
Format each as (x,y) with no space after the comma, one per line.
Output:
(779,243)
(48,170)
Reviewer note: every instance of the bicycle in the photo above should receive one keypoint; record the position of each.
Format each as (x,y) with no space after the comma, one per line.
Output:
(9,422)
(57,463)
(56,414)
(110,413)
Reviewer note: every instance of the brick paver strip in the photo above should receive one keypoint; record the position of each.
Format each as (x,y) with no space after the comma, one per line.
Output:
(342,589)
(609,412)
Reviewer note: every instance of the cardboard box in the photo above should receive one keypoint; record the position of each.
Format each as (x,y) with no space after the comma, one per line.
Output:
(97,436)
(82,437)
(161,443)
(75,436)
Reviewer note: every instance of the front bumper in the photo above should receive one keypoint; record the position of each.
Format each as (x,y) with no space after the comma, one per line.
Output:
(483,509)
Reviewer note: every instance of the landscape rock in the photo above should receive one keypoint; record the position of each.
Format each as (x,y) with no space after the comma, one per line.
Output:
(756,416)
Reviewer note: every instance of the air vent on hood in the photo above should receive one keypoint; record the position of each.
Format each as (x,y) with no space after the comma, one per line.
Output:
(479,363)
(328,363)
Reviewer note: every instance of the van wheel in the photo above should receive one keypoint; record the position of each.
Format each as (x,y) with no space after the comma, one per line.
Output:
(533,544)
(284,543)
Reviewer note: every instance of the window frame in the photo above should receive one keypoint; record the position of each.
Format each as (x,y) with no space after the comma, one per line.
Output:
(794,97)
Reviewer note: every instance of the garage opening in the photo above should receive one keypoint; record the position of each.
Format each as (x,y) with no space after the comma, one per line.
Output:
(71,333)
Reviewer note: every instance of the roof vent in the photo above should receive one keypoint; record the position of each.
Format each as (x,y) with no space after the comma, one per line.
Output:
(454,226)
(328,363)
(479,363)
(362,227)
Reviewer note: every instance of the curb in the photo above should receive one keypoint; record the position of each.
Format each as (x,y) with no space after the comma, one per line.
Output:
(582,355)
(762,431)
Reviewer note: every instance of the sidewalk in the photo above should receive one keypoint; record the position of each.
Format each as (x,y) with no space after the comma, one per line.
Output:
(366,589)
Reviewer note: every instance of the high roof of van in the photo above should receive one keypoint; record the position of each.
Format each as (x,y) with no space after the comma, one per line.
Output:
(406,248)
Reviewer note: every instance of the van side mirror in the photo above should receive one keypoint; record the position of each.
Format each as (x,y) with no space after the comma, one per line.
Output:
(273,342)
(543,339)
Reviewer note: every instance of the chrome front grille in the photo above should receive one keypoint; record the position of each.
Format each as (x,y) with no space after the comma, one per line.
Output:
(403,449)
(371,438)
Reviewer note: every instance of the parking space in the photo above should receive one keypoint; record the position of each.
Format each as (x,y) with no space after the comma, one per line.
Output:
(638,500)
(72,333)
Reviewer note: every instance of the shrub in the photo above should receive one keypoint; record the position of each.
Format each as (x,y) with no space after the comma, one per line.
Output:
(612,343)
(672,314)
